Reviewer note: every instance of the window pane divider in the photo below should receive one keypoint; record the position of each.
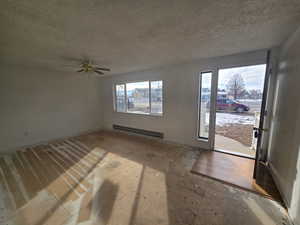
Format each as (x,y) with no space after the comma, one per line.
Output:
(125,95)
(150,97)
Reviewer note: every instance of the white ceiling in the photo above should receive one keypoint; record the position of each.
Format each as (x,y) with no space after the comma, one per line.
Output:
(133,35)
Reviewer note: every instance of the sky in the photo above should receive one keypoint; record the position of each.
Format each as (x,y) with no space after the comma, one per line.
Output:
(131,86)
(253,76)
(206,80)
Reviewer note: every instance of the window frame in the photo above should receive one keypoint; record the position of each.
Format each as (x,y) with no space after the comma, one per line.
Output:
(126,101)
(115,100)
(200,75)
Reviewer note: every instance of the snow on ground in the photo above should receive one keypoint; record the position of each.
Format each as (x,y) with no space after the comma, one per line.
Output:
(249,100)
(231,118)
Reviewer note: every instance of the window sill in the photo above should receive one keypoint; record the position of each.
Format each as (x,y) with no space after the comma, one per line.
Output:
(202,139)
(141,114)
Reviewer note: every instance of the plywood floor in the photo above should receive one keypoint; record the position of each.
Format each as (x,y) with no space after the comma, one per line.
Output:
(236,171)
(39,180)
(111,178)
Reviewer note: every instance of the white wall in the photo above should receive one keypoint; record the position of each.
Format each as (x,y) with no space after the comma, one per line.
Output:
(39,105)
(285,131)
(179,122)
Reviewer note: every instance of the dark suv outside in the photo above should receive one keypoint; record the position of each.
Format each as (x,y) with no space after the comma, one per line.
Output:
(226,104)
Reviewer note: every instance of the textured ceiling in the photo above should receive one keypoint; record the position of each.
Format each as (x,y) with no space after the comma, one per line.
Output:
(139,34)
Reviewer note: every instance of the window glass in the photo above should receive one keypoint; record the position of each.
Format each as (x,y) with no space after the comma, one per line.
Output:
(204,111)
(120,98)
(138,97)
(156,97)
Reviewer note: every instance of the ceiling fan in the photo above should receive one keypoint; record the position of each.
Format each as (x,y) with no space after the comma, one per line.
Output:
(88,66)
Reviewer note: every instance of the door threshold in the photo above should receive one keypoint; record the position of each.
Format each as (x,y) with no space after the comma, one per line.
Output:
(235,154)
(237,172)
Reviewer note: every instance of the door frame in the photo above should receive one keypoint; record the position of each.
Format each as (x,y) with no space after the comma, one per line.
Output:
(263,114)
(238,62)
(263,107)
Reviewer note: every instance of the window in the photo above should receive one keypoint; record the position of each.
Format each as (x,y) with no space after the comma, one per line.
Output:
(140,97)
(120,98)
(156,97)
(204,104)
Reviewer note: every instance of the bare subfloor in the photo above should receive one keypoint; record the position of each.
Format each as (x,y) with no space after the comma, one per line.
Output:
(119,179)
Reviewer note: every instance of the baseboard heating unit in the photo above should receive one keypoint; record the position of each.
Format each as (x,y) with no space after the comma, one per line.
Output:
(139,131)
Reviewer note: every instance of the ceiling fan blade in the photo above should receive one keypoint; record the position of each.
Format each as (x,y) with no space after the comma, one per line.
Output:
(99,72)
(81,70)
(102,68)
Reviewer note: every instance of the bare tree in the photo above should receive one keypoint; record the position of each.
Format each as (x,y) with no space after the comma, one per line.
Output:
(236,85)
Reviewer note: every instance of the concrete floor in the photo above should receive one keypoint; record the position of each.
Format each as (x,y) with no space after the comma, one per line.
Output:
(231,145)
(145,182)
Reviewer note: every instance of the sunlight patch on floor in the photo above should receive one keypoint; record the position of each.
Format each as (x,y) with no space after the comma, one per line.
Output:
(259,212)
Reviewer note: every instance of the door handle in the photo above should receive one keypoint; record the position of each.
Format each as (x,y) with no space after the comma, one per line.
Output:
(258,131)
